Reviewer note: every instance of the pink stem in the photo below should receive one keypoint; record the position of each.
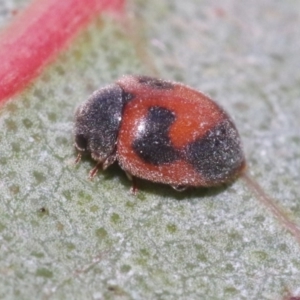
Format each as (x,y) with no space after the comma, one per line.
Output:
(39,33)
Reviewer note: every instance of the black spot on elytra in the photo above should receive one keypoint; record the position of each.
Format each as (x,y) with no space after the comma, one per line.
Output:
(155,83)
(218,154)
(126,96)
(153,144)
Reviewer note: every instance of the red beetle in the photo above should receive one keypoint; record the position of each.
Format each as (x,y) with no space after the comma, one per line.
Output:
(159,130)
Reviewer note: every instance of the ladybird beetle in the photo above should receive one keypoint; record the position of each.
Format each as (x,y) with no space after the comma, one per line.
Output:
(161,131)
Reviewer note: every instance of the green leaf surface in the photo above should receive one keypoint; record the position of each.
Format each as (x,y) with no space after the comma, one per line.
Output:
(63,236)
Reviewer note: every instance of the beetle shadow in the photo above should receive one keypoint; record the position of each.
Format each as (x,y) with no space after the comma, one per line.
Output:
(161,190)
(167,191)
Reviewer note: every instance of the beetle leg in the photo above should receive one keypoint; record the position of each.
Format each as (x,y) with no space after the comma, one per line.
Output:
(95,170)
(179,188)
(129,176)
(108,161)
(134,188)
(78,158)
